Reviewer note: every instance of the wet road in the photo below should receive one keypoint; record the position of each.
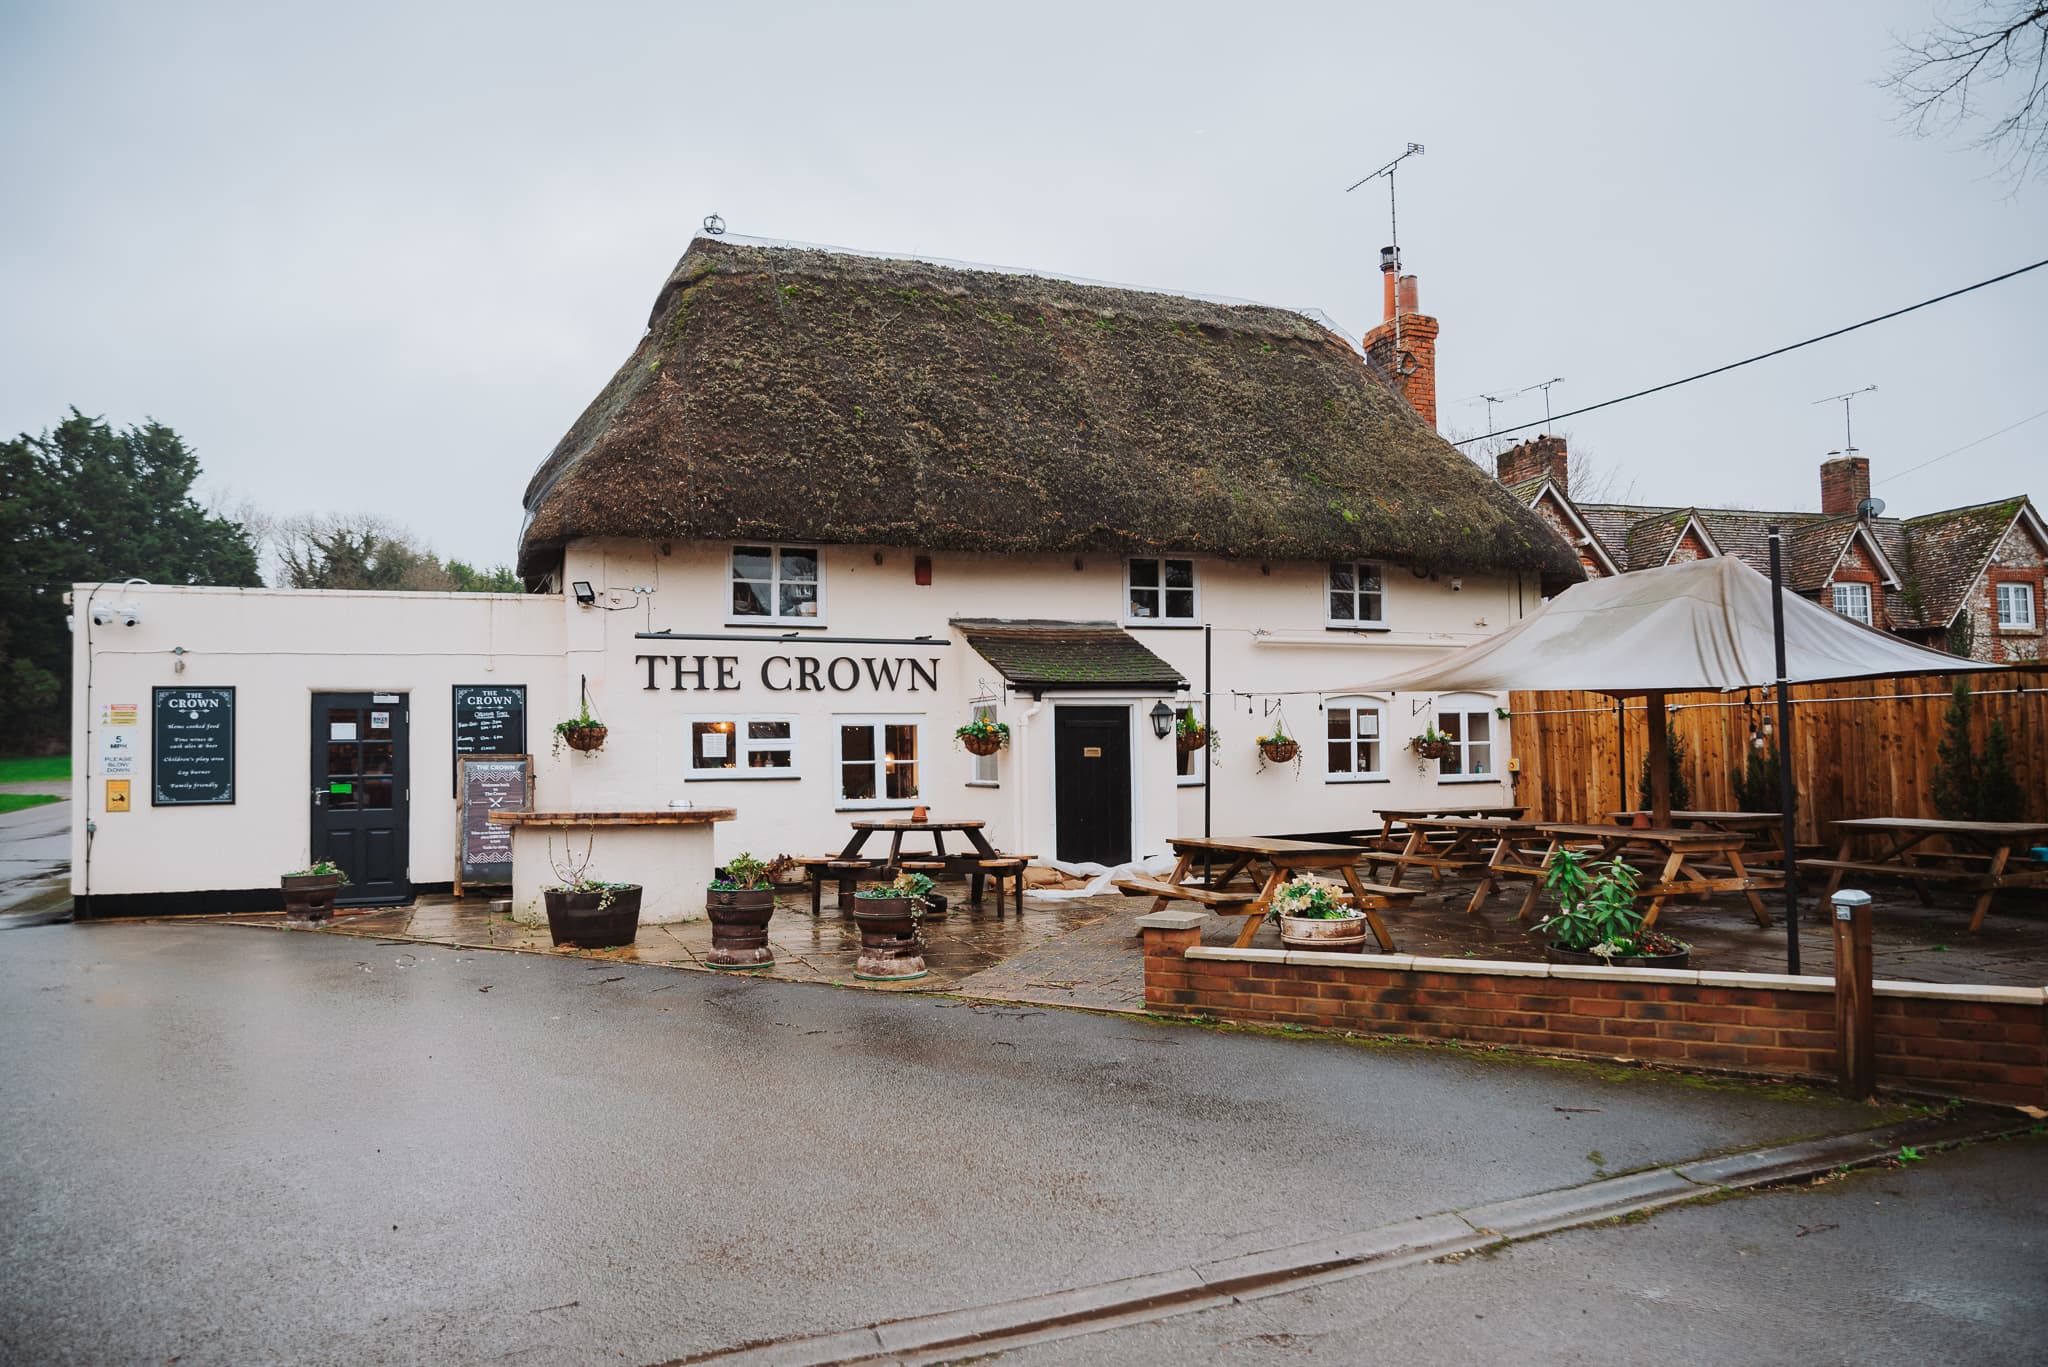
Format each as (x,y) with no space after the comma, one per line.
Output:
(35,856)
(231,1145)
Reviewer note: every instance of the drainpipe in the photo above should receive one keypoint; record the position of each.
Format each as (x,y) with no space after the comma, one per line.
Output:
(1021,751)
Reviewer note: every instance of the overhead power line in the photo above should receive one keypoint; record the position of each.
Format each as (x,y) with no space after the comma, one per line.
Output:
(1762,356)
(1900,474)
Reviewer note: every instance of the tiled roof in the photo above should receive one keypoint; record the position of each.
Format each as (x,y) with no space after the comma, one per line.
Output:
(1945,552)
(1044,656)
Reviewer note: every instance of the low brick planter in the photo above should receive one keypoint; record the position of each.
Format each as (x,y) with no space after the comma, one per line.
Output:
(1985,1043)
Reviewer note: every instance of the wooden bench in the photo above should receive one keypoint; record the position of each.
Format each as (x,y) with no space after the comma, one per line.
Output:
(846,872)
(1145,885)
(1010,867)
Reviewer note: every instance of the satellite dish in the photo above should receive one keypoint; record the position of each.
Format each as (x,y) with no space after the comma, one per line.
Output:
(1869,508)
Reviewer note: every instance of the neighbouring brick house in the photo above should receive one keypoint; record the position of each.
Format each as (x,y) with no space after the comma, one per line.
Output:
(1968,579)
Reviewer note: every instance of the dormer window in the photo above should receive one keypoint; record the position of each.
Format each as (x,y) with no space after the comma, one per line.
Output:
(1159,592)
(1357,594)
(1853,602)
(775,584)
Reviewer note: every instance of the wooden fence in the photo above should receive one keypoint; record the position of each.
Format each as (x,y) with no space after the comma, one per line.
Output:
(1858,749)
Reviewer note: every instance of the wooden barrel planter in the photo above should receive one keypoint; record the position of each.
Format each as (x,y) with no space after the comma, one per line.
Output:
(982,745)
(1280,751)
(310,896)
(739,927)
(1330,934)
(889,947)
(1192,740)
(588,739)
(601,918)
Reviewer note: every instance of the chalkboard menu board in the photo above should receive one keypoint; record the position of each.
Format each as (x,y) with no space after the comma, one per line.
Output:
(490,719)
(194,750)
(489,784)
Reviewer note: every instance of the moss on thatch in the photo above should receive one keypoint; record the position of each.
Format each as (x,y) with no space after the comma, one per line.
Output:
(816,396)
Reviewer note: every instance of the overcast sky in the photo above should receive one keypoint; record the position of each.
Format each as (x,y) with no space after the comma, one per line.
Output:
(371,256)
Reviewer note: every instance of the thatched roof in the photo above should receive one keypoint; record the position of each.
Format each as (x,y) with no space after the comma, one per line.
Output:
(804,395)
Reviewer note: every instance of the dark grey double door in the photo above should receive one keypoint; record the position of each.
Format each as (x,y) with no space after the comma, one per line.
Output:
(361,793)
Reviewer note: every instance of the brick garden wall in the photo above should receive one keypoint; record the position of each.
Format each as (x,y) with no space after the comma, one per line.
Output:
(1987,1043)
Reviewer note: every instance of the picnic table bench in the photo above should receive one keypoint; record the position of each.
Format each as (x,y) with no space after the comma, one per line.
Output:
(1904,857)
(1680,875)
(1287,858)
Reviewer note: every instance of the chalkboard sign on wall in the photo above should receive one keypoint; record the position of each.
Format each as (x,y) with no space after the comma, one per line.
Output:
(490,719)
(490,783)
(193,754)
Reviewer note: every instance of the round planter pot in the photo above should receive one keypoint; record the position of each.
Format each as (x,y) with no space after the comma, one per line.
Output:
(310,896)
(889,948)
(982,745)
(588,739)
(1330,934)
(1558,955)
(739,927)
(576,918)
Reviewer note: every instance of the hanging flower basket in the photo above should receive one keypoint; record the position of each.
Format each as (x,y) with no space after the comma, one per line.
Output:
(1427,746)
(1191,738)
(982,745)
(983,736)
(587,739)
(1280,749)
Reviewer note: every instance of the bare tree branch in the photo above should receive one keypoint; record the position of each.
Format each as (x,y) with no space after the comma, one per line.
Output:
(1994,59)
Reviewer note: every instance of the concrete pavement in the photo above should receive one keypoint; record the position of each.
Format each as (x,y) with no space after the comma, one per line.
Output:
(229,1145)
(35,858)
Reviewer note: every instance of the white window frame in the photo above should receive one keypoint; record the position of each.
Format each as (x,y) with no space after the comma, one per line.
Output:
(1330,591)
(774,616)
(2020,591)
(1461,748)
(742,746)
(982,772)
(1190,767)
(1354,704)
(1194,617)
(1844,597)
(875,723)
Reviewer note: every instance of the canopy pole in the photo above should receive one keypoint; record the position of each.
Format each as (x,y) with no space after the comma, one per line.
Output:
(1660,761)
(1624,800)
(1787,796)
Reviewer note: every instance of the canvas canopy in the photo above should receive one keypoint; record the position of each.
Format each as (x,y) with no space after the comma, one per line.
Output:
(1700,626)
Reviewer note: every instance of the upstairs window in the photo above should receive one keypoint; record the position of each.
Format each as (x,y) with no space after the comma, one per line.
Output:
(2015,607)
(1352,734)
(775,584)
(1853,602)
(1471,734)
(1159,592)
(1357,594)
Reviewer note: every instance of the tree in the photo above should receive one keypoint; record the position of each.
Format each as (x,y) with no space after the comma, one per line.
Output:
(1998,791)
(86,503)
(363,551)
(496,579)
(1987,68)
(1681,791)
(1758,785)
(1955,773)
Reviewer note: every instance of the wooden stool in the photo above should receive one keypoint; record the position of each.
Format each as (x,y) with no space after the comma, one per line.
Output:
(1011,867)
(848,871)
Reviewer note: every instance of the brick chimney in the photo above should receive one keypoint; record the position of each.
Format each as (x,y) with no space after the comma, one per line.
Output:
(1536,458)
(1844,483)
(1413,366)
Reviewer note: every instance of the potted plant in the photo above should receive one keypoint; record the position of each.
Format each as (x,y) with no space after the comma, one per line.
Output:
(739,902)
(1279,748)
(1431,744)
(588,912)
(1311,917)
(1596,921)
(1189,734)
(785,874)
(888,918)
(309,893)
(582,732)
(983,736)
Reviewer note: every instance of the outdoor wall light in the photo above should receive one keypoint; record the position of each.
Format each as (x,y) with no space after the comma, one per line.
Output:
(1162,720)
(586,596)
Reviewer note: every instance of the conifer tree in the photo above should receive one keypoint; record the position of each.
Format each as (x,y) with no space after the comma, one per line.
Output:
(1955,776)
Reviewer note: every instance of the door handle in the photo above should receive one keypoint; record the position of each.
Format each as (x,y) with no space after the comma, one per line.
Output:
(319,797)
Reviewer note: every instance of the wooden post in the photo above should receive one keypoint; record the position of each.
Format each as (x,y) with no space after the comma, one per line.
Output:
(1660,760)
(1855,1010)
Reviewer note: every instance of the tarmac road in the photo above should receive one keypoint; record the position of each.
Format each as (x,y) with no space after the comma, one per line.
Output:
(226,1145)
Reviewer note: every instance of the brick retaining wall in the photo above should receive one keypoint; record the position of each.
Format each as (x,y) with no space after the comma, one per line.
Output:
(1987,1043)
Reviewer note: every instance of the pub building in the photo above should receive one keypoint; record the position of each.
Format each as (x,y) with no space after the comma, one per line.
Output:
(833,507)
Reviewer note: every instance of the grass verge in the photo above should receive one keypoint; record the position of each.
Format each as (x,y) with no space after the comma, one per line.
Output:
(17,802)
(36,769)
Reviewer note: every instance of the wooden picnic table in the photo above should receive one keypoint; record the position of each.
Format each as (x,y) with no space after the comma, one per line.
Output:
(1287,858)
(1987,843)
(975,864)
(1770,826)
(1455,843)
(1680,850)
(1461,843)
(1390,817)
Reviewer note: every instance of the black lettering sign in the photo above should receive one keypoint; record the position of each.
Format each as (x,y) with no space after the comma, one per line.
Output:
(786,673)
(193,754)
(768,680)
(490,719)
(490,785)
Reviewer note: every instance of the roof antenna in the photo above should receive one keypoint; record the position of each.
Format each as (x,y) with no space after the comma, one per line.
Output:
(1848,431)
(714,226)
(1394,235)
(1545,387)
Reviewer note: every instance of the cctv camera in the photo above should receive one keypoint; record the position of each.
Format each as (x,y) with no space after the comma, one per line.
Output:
(131,616)
(102,615)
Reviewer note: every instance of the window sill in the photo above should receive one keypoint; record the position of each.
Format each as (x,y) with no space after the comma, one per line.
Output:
(742,778)
(1470,778)
(1362,628)
(2004,630)
(777,623)
(1153,623)
(1362,778)
(1180,782)
(878,806)
(983,783)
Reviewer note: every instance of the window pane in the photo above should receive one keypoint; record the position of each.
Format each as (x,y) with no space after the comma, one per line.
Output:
(900,741)
(749,600)
(1369,609)
(1481,756)
(800,565)
(1180,604)
(1479,727)
(902,781)
(1144,574)
(341,759)
(1144,603)
(767,730)
(1180,574)
(342,797)
(753,562)
(1369,578)
(856,743)
(377,795)
(1451,724)
(1340,723)
(799,600)
(1340,579)
(768,759)
(1340,756)
(1340,607)
(376,758)
(856,781)
(1368,757)
(1368,721)
(711,745)
(1453,763)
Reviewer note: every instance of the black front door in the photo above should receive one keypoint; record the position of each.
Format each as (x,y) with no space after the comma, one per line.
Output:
(361,772)
(1091,756)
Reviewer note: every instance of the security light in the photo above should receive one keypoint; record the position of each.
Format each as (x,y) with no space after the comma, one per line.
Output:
(1162,720)
(586,596)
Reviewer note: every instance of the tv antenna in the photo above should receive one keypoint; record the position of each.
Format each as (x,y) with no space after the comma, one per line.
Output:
(1545,387)
(1848,430)
(1393,253)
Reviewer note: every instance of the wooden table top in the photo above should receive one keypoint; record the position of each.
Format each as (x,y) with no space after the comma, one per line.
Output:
(1652,835)
(1472,823)
(1988,830)
(1413,813)
(1263,846)
(660,816)
(918,825)
(1720,818)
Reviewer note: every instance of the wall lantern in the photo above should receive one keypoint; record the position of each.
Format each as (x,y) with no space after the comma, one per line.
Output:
(1162,720)
(586,596)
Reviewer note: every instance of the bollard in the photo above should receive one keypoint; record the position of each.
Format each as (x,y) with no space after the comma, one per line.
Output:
(1855,1009)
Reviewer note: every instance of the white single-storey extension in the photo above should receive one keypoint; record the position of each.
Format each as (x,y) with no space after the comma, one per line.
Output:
(831,509)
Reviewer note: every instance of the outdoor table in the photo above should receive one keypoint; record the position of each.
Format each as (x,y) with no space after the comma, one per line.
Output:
(1991,843)
(969,863)
(1391,817)
(1467,838)
(1679,849)
(1287,858)
(1456,843)
(1767,829)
